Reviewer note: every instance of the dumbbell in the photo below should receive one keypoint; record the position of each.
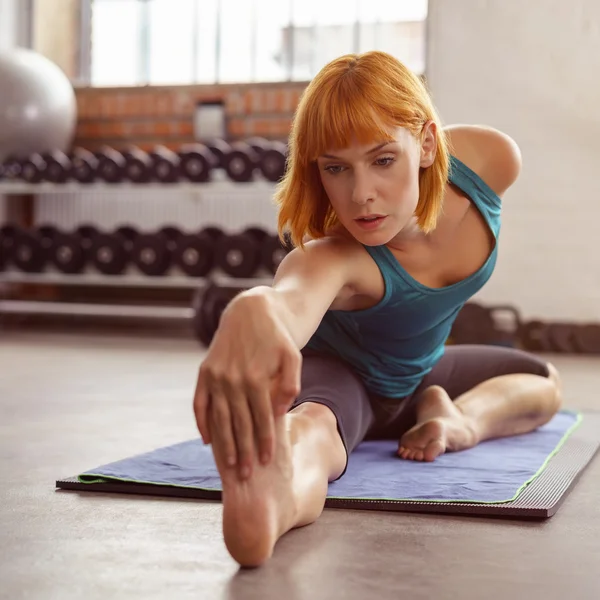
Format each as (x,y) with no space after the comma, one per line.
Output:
(11,168)
(196,162)
(139,165)
(32,248)
(33,168)
(208,304)
(110,253)
(240,162)
(68,253)
(219,149)
(258,144)
(8,233)
(112,165)
(166,165)
(87,233)
(271,157)
(84,165)
(273,251)
(477,324)
(152,253)
(273,161)
(58,167)
(240,254)
(195,253)
(129,233)
(587,338)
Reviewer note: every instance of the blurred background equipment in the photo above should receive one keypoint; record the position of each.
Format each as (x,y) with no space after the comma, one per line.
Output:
(38,111)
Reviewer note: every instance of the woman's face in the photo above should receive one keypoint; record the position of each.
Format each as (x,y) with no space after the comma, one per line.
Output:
(374,188)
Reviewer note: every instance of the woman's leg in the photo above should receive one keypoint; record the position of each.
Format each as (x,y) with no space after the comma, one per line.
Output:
(327,421)
(477,393)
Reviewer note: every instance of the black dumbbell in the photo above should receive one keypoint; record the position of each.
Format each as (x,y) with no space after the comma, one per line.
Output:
(33,168)
(239,255)
(129,233)
(138,165)
(11,168)
(32,248)
(58,167)
(84,165)
(166,165)
(208,304)
(219,149)
(110,253)
(196,162)
(240,162)
(273,251)
(258,144)
(68,254)
(273,161)
(8,233)
(152,253)
(87,233)
(111,165)
(195,253)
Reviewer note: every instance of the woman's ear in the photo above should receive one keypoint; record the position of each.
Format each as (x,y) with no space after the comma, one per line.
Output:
(428,144)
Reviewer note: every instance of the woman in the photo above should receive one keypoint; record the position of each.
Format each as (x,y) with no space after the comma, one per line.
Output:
(395,222)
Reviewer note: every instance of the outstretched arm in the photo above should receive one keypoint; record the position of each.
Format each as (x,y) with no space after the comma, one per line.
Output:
(252,369)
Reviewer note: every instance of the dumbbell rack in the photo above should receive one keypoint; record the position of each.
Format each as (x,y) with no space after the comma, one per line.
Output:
(194,192)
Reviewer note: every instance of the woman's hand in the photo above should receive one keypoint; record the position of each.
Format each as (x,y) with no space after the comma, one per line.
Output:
(250,375)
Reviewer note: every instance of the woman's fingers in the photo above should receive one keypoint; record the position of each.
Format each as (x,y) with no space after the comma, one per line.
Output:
(264,424)
(201,406)
(236,407)
(222,423)
(243,429)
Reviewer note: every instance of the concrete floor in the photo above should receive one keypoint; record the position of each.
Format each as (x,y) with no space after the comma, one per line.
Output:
(69,403)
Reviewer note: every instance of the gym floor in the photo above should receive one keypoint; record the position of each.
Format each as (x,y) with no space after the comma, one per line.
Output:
(73,402)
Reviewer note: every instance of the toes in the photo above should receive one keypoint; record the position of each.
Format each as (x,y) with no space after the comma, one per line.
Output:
(433,450)
(403,452)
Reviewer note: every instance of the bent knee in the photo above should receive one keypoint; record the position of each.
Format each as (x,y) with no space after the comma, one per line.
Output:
(556,391)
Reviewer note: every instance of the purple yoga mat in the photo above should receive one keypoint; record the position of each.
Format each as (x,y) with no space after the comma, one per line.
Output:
(494,471)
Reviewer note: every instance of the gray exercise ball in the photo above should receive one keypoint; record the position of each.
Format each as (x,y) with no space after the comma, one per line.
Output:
(38,109)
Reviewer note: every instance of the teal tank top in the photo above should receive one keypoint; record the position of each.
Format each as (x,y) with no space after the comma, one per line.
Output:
(395,343)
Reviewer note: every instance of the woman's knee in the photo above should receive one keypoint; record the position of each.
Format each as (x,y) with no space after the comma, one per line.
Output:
(556,392)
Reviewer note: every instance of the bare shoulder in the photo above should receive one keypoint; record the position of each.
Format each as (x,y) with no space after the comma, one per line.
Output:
(337,259)
(489,152)
(333,254)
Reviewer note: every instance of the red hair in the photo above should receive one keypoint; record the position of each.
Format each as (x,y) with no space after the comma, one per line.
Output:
(355,96)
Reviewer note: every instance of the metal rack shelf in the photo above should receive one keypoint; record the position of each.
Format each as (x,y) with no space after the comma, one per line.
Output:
(217,185)
(127,280)
(25,307)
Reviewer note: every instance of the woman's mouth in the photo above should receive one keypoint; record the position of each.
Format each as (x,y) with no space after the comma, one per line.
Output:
(370,222)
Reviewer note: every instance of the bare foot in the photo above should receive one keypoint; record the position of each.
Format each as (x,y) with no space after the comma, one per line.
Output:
(440,427)
(259,510)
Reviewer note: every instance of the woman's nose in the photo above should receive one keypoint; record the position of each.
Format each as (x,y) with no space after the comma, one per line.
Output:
(362,191)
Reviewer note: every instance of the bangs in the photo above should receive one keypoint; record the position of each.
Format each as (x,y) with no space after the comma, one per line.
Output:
(341,115)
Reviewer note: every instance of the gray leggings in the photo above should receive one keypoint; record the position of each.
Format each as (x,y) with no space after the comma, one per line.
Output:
(328,380)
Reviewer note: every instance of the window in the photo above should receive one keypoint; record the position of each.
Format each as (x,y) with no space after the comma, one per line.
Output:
(162,42)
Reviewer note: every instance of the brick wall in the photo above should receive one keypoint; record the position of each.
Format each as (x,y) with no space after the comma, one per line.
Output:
(165,115)
(529,68)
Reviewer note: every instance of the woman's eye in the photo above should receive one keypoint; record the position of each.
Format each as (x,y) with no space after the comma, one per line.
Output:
(334,169)
(384,161)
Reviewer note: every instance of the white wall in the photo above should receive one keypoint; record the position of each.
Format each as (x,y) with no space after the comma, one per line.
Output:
(11,30)
(532,69)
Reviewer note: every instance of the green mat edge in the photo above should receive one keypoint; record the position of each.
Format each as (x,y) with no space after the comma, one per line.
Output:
(88,478)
